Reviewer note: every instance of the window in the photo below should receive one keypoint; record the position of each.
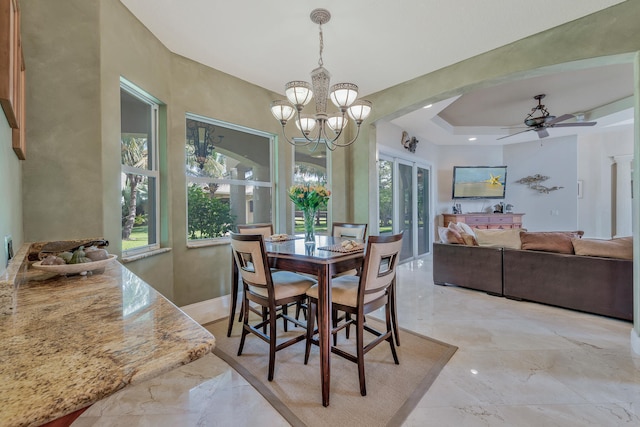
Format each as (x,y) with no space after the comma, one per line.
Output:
(311,164)
(139,178)
(229,177)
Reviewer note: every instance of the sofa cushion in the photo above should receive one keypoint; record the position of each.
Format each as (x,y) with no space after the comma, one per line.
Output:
(497,238)
(548,241)
(621,247)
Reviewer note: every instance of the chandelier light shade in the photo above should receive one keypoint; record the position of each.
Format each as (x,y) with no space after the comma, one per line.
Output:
(300,93)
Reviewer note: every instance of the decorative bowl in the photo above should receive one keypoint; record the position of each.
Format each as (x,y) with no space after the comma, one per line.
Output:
(75,268)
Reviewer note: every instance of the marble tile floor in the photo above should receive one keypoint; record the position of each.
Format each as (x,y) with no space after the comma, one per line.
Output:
(518,364)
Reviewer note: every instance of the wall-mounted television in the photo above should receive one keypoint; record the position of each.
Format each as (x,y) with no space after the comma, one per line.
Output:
(479,182)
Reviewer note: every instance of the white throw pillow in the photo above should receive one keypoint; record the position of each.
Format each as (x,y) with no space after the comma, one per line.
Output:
(466,228)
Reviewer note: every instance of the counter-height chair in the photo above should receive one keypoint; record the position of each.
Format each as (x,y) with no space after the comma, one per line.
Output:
(266,230)
(349,230)
(352,231)
(359,295)
(270,290)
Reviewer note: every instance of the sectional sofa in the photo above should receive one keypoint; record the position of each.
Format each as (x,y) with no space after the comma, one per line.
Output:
(557,268)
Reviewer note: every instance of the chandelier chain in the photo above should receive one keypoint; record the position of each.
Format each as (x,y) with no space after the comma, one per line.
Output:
(320,62)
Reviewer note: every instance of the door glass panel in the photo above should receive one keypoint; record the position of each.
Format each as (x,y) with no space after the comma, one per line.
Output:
(405,208)
(423,210)
(385,191)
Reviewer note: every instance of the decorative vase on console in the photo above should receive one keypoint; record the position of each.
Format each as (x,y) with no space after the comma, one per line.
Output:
(309,198)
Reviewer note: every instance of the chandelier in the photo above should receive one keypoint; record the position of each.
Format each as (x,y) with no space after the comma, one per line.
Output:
(201,137)
(344,96)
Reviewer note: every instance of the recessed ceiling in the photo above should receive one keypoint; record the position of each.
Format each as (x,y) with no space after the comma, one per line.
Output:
(373,43)
(602,93)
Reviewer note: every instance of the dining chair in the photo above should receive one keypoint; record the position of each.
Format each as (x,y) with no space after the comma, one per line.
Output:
(360,295)
(270,290)
(349,230)
(353,231)
(266,230)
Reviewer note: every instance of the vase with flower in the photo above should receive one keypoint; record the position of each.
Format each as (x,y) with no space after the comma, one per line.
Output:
(309,198)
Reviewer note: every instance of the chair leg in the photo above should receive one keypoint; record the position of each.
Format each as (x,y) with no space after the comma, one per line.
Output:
(334,319)
(299,308)
(394,316)
(360,355)
(311,318)
(265,313)
(272,344)
(241,311)
(389,318)
(245,324)
(285,311)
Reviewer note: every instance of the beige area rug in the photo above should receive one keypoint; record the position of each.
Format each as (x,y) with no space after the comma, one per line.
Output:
(393,390)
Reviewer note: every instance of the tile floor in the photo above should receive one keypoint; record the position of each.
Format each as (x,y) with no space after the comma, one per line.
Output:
(518,364)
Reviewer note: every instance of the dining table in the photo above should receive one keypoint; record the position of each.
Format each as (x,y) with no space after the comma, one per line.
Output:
(323,258)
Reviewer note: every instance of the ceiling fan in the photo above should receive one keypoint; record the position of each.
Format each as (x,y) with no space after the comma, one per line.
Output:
(544,120)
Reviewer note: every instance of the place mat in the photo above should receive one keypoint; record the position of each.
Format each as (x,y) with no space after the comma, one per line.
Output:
(393,391)
(281,238)
(340,248)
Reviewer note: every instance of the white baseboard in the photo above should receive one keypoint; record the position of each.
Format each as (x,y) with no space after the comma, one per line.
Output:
(209,310)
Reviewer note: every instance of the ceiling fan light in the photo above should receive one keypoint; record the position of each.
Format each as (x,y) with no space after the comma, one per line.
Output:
(298,93)
(343,94)
(360,110)
(282,110)
(337,122)
(306,123)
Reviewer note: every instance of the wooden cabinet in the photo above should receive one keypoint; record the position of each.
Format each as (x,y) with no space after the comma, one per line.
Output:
(486,220)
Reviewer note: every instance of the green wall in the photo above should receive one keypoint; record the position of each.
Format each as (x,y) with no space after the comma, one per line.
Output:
(76,51)
(10,193)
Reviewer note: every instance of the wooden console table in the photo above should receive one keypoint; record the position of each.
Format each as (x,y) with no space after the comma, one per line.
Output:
(486,220)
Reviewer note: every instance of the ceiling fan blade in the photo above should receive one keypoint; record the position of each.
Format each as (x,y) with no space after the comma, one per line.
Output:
(566,125)
(559,119)
(542,133)
(507,136)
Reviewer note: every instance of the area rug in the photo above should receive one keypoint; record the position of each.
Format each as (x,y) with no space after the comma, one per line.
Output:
(393,390)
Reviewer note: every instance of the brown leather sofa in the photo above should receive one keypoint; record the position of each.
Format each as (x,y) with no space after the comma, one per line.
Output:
(473,267)
(591,284)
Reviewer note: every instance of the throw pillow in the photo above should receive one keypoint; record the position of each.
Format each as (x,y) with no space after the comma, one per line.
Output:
(450,236)
(548,241)
(468,239)
(465,227)
(498,238)
(621,247)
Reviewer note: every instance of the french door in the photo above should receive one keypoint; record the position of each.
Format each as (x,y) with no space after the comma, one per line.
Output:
(404,203)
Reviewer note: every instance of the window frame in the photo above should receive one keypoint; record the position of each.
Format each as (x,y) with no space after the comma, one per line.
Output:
(206,180)
(153,167)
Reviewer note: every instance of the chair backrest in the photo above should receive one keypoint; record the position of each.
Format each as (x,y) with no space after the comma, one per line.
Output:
(251,258)
(265,229)
(349,231)
(380,261)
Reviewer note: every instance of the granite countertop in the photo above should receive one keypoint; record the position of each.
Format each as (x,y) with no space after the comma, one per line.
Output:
(74,340)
